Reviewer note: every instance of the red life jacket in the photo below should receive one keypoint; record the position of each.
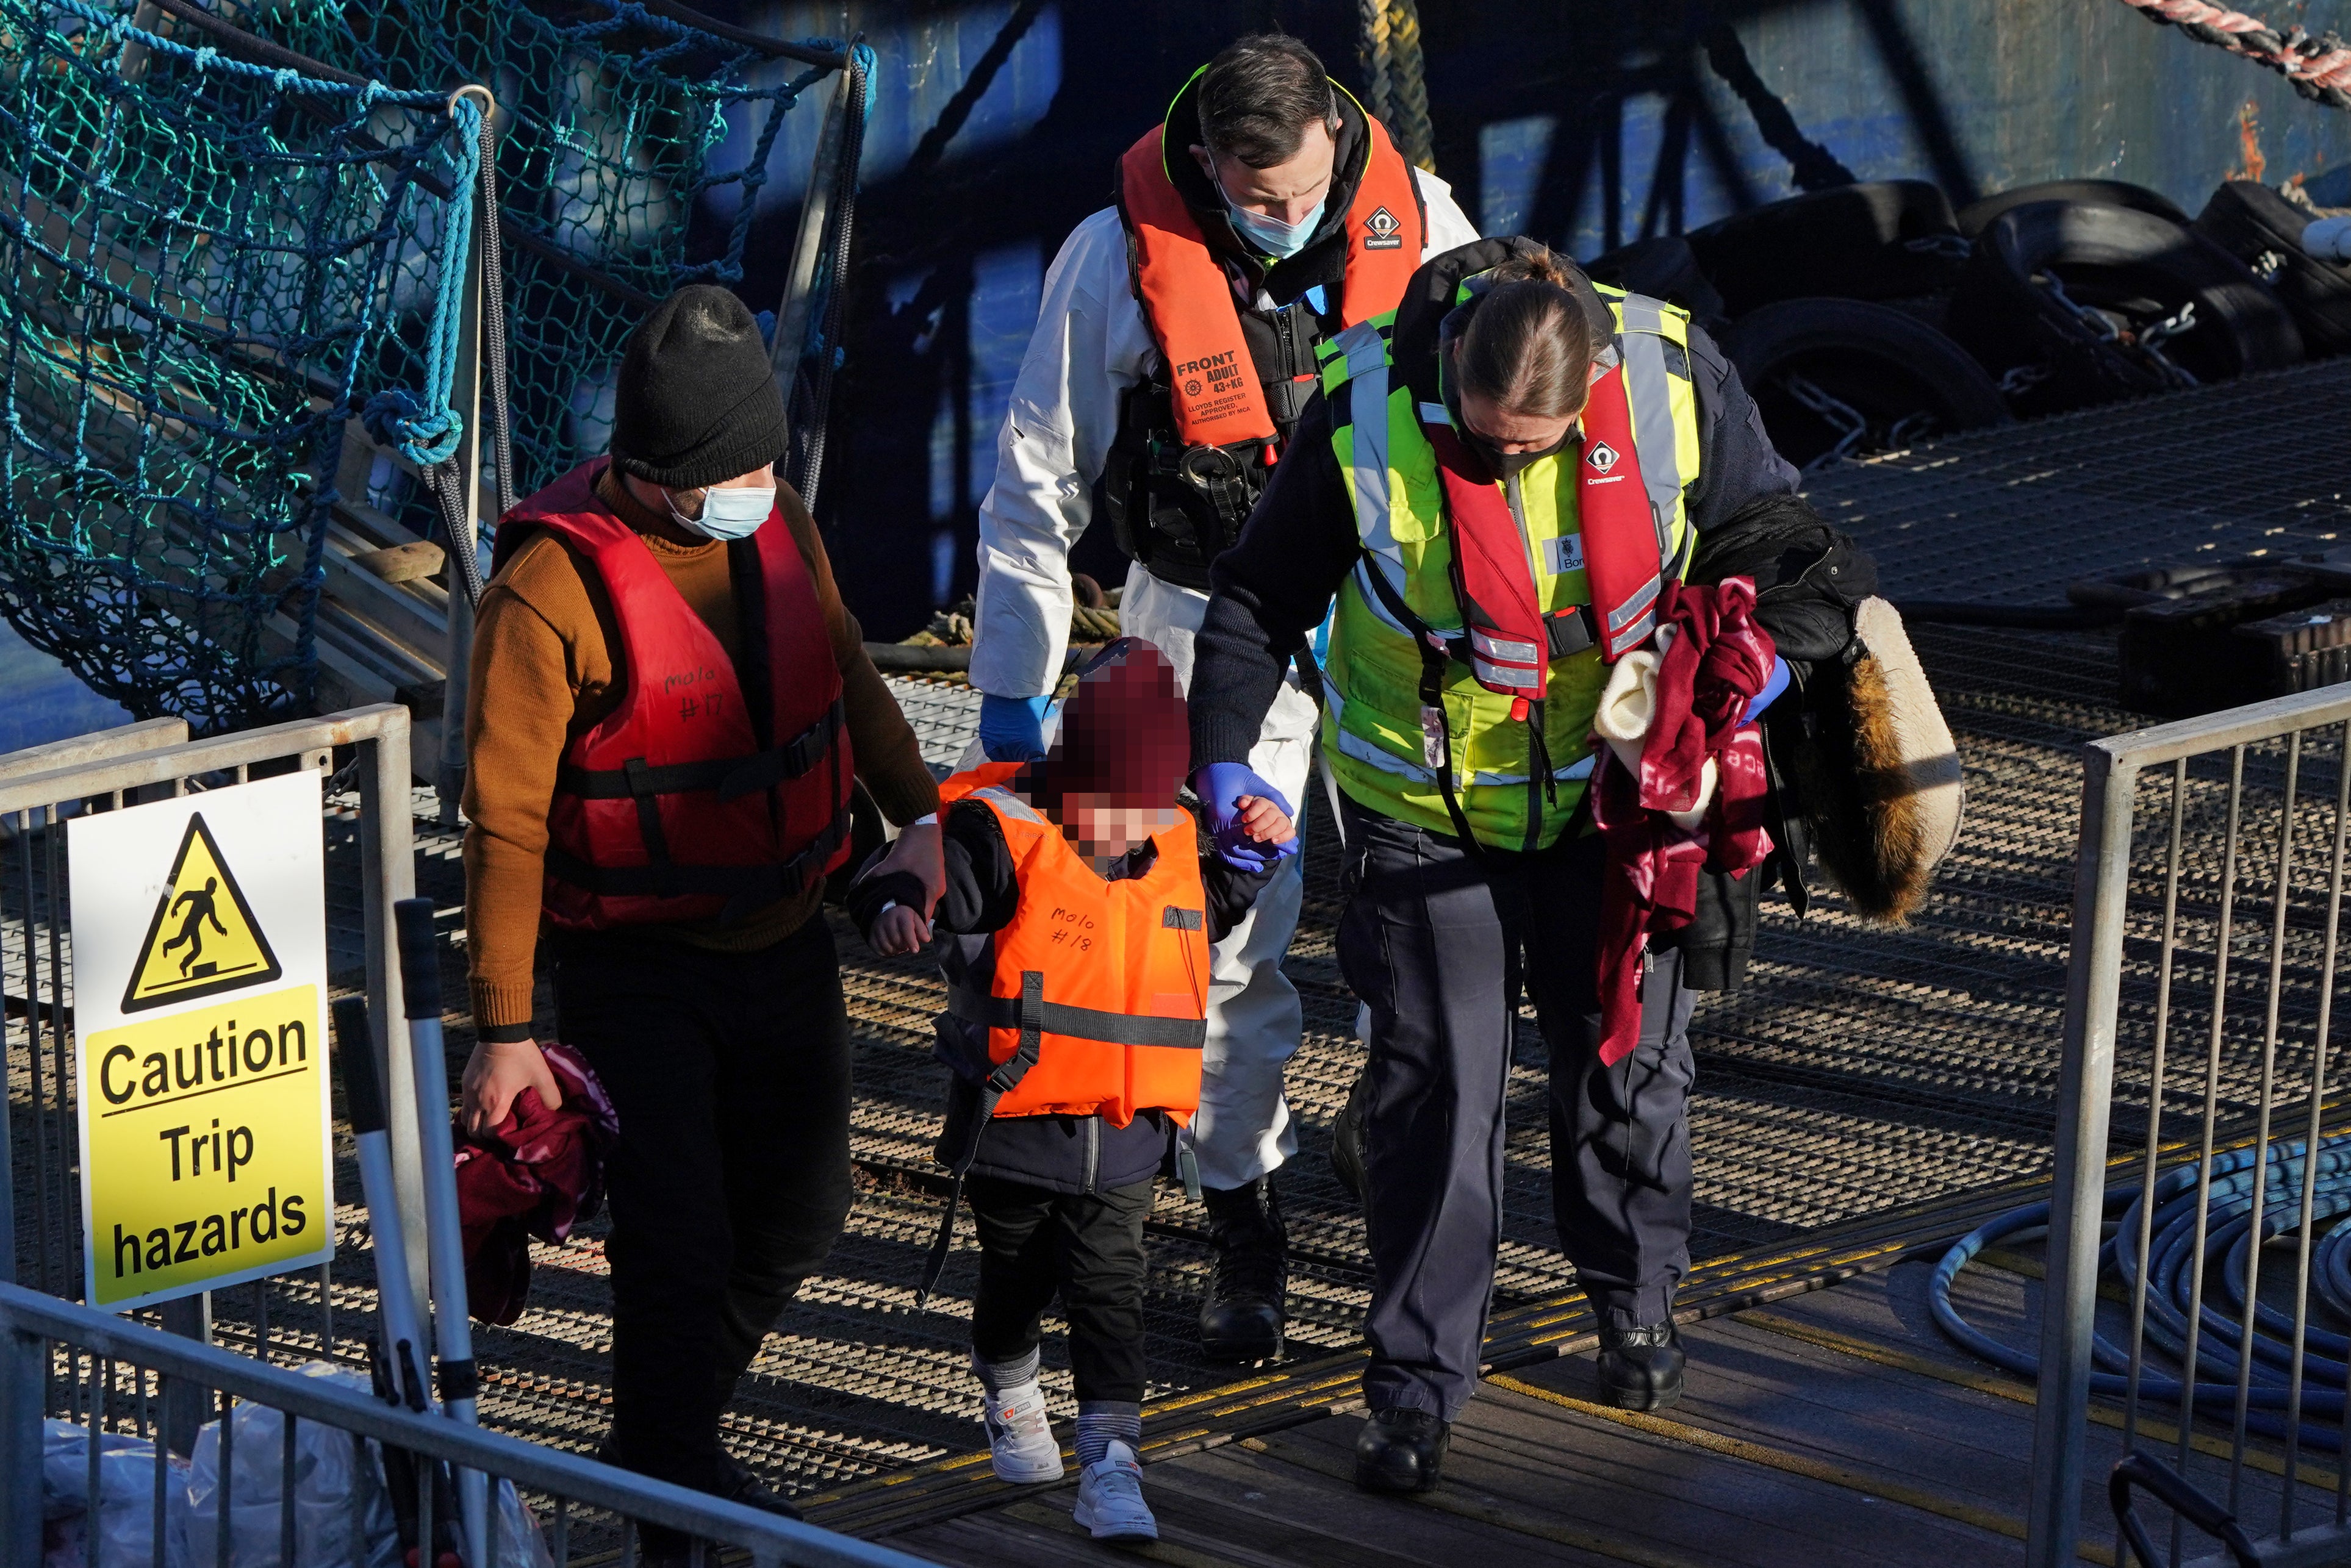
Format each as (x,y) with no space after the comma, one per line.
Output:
(1188,301)
(1511,638)
(685,802)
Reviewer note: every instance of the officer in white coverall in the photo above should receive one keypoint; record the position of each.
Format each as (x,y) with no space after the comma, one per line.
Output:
(1174,350)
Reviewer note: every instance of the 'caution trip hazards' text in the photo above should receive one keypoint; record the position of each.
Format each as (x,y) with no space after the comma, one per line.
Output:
(205,1151)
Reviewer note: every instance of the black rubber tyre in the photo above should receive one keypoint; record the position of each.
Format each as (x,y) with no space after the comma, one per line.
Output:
(2263,230)
(1881,240)
(1663,268)
(1977,216)
(2133,269)
(1907,381)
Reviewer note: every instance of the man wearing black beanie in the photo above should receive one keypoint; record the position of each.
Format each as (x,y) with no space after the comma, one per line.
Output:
(668,705)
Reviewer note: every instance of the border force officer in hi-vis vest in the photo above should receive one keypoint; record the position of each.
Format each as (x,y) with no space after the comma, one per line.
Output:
(1173,353)
(1513,419)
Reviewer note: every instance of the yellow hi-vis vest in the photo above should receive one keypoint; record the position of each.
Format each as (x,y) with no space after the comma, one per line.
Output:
(1374,733)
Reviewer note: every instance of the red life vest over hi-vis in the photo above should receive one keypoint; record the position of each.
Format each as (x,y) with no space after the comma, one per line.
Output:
(694,798)
(1097,993)
(1188,301)
(1511,638)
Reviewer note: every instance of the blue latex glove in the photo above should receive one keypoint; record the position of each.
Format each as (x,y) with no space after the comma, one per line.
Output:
(1218,785)
(1770,692)
(1012,729)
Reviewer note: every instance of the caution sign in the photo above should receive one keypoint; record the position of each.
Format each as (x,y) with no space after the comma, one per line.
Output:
(200,972)
(190,951)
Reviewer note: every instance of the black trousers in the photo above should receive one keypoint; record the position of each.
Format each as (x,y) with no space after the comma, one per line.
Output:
(730,1075)
(1034,1242)
(1437,944)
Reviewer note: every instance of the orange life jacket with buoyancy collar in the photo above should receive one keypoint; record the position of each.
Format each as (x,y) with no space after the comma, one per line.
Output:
(1199,437)
(1093,1001)
(708,793)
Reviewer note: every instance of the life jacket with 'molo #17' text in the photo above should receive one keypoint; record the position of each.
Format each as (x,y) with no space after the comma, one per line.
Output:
(1093,1001)
(1469,646)
(714,788)
(1198,438)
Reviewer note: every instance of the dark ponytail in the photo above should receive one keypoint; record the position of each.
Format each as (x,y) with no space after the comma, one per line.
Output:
(1528,345)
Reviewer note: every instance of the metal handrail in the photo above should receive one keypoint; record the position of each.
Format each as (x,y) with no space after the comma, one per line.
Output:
(30,1321)
(2111,770)
(146,734)
(78,780)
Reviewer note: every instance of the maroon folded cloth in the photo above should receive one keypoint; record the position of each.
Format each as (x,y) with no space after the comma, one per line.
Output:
(538,1173)
(1719,659)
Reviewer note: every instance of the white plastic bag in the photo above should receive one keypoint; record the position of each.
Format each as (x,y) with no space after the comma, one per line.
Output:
(340,1513)
(519,1544)
(126,1491)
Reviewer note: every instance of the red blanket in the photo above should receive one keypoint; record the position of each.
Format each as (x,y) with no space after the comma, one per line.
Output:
(539,1173)
(1720,658)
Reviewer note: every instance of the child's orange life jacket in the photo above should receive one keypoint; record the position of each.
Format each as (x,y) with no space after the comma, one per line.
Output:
(1093,998)
(1093,1001)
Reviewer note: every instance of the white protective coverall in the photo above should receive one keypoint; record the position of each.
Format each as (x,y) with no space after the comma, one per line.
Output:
(1092,344)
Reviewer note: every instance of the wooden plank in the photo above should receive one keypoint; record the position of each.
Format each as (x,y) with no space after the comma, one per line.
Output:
(418,617)
(992,1541)
(1317,1521)
(1895,1519)
(1678,1497)
(1845,1411)
(2000,1384)
(1877,1319)
(1176,1544)
(1603,1527)
(1052,1512)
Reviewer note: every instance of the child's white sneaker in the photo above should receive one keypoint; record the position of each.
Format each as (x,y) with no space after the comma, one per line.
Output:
(1021,1445)
(1110,1498)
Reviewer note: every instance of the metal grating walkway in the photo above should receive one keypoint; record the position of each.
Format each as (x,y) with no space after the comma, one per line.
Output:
(1861,1069)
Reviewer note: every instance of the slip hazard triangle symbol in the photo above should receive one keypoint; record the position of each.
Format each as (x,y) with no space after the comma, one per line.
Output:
(204,939)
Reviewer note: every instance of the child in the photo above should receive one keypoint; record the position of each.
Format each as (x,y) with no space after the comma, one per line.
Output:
(1081,915)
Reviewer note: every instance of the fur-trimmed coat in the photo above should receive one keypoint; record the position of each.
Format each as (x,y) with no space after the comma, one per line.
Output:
(1864,776)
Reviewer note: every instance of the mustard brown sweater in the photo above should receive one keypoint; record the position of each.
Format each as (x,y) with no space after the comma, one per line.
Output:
(547,665)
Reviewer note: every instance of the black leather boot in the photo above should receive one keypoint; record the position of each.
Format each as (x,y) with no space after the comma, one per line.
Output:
(1401,1451)
(1242,1316)
(739,1483)
(1640,1369)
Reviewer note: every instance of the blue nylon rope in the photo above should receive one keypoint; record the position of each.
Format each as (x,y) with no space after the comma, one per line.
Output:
(2220,1346)
(208,267)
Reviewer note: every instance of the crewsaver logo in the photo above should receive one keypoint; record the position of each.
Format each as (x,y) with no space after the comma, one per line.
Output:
(1382,228)
(1603,457)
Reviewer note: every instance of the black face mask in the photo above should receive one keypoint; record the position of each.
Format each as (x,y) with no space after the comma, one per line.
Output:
(1507,464)
(1504,465)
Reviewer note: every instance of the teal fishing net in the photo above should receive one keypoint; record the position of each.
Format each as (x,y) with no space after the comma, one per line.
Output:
(206,268)
(221,271)
(611,119)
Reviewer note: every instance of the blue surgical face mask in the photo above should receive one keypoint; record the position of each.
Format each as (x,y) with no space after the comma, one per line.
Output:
(1271,235)
(734,512)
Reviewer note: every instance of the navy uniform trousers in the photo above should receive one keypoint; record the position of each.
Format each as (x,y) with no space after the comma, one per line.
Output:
(1437,944)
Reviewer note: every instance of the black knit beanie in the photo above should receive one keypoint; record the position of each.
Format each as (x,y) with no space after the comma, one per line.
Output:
(697,402)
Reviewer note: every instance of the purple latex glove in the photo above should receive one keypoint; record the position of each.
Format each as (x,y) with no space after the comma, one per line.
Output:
(1219,785)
